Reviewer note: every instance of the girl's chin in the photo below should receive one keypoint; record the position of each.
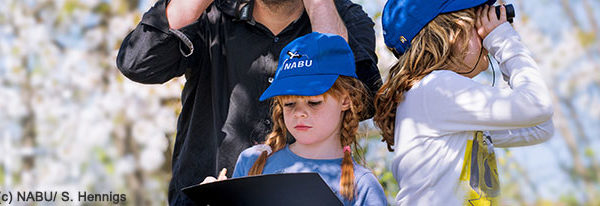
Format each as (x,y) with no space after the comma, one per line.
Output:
(304,141)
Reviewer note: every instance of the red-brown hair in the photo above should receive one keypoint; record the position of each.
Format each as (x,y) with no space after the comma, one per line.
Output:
(357,93)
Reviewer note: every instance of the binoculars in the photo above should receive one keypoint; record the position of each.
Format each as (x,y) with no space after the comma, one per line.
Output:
(510,12)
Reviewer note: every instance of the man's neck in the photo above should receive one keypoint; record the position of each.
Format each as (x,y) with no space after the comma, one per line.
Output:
(277,16)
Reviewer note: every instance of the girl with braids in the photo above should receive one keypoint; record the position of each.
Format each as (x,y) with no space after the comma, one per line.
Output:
(317,99)
(442,125)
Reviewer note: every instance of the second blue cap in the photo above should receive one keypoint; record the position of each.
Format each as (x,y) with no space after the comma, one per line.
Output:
(403,19)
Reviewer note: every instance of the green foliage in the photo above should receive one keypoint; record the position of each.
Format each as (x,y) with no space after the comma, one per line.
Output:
(586,39)
(70,6)
(102,8)
(105,160)
(589,152)
(389,184)
(569,199)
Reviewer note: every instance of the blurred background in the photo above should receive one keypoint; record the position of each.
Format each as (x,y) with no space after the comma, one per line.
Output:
(69,121)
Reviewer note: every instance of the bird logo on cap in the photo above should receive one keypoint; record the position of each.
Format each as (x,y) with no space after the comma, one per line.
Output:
(294,55)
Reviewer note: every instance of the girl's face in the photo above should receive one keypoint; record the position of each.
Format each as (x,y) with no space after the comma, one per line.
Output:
(315,119)
(472,56)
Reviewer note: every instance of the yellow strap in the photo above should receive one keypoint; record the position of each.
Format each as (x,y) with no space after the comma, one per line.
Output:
(486,188)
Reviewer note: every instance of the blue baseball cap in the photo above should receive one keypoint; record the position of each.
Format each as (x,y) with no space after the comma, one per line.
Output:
(403,19)
(310,65)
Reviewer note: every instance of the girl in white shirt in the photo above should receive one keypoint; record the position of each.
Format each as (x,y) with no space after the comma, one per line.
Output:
(442,125)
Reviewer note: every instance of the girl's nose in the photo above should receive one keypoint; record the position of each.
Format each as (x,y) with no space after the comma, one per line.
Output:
(300,112)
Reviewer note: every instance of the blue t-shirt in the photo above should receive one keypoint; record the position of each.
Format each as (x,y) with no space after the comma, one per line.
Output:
(368,191)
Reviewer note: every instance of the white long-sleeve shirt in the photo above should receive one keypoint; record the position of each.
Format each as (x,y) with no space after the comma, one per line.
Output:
(436,157)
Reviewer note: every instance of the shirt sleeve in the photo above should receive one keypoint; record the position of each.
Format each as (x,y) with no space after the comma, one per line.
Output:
(523,136)
(240,169)
(369,191)
(467,105)
(153,53)
(361,38)
(245,162)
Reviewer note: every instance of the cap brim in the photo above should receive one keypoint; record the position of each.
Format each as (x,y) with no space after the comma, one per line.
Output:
(300,85)
(460,5)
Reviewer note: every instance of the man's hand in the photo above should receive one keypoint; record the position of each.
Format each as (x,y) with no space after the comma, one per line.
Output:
(180,13)
(210,179)
(487,20)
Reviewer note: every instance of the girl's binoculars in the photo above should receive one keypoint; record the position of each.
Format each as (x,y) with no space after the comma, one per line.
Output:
(510,12)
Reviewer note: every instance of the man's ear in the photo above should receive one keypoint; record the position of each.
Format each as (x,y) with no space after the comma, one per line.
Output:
(346,101)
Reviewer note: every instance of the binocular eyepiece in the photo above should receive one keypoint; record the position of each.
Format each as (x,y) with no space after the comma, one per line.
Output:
(510,12)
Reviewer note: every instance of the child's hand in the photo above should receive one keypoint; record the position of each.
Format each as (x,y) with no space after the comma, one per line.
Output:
(487,20)
(210,179)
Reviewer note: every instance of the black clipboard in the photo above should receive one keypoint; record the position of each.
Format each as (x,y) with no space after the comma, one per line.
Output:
(288,189)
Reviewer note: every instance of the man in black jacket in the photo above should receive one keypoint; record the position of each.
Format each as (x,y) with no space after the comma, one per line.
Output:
(228,51)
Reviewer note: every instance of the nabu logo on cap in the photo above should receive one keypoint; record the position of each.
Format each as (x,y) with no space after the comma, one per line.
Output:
(296,61)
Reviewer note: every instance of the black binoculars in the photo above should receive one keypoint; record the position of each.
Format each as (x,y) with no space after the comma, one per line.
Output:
(510,12)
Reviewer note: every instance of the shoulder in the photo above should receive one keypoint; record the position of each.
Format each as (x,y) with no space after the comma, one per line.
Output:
(441,76)
(445,82)
(249,156)
(245,160)
(343,5)
(368,188)
(361,37)
(351,11)
(362,174)
(347,6)
(251,153)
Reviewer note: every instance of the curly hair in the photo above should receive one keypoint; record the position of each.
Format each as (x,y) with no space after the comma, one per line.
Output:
(433,48)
